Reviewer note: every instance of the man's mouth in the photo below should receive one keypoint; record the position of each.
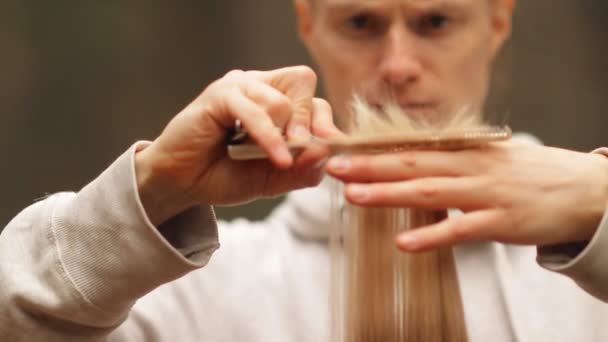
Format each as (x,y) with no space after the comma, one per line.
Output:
(406,106)
(409,106)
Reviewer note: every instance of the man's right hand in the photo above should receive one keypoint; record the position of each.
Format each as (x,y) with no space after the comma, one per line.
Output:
(188,163)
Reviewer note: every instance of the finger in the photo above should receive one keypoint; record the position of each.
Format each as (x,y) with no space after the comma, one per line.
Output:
(465,193)
(322,126)
(276,104)
(323,122)
(312,157)
(474,226)
(299,83)
(260,128)
(389,167)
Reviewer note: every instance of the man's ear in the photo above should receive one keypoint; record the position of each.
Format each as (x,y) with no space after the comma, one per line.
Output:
(304,20)
(502,22)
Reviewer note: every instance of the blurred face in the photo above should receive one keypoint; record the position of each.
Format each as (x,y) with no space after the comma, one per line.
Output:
(430,56)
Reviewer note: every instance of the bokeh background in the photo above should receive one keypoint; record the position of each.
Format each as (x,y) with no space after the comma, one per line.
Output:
(80,81)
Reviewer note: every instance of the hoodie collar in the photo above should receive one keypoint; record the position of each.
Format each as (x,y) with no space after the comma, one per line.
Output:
(308,212)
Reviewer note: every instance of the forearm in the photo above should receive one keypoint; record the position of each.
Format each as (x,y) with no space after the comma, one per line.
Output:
(585,262)
(74,264)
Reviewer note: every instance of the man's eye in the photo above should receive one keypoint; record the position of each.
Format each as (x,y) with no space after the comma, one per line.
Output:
(363,24)
(360,21)
(432,24)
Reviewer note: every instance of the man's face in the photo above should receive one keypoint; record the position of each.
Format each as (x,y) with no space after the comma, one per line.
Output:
(430,56)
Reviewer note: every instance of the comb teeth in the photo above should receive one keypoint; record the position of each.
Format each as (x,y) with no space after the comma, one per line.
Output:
(483,133)
(376,131)
(440,140)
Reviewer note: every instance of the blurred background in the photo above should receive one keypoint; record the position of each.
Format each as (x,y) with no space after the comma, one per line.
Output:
(80,81)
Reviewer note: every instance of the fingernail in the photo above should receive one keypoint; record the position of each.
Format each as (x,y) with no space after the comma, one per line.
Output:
(300,131)
(408,242)
(339,164)
(283,155)
(319,165)
(357,192)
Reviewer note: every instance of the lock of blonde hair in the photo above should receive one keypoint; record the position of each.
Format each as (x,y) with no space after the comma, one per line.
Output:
(379,294)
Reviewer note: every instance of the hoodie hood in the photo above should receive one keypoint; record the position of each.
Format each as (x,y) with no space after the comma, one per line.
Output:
(308,212)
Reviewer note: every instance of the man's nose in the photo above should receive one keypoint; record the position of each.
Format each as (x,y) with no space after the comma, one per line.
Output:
(400,64)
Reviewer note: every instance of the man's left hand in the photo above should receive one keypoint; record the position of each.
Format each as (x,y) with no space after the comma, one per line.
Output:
(508,192)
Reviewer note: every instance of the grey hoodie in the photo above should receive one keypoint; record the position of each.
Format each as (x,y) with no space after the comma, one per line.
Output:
(89,266)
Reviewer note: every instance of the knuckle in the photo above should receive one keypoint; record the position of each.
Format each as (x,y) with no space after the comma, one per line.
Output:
(272,134)
(321,106)
(494,227)
(427,189)
(235,73)
(254,73)
(264,128)
(515,220)
(280,103)
(494,158)
(305,73)
(407,160)
(459,231)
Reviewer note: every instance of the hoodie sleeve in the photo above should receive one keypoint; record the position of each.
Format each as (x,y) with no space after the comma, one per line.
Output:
(74,264)
(585,263)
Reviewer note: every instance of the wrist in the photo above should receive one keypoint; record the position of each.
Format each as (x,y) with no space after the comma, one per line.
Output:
(160,196)
(598,211)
